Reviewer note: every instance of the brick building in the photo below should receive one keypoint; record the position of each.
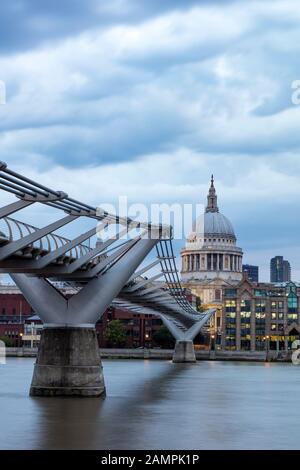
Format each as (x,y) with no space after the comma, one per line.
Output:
(14,310)
(21,325)
(139,328)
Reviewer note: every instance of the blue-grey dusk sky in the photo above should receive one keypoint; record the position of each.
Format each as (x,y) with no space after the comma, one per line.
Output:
(148,98)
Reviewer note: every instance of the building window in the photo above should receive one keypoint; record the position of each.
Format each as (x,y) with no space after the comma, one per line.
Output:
(230,293)
(260,325)
(292,317)
(245,325)
(215,259)
(292,303)
(230,306)
(260,308)
(246,306)
(260,293)
(218,294)
(230,342)
(230,324)
(209,262)
(260,342)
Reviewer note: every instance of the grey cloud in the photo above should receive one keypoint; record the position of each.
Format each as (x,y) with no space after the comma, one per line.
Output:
(26,24)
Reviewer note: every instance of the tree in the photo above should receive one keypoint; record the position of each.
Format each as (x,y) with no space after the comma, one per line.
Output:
(199,307)
(163,338)
(7,341)
(116,333)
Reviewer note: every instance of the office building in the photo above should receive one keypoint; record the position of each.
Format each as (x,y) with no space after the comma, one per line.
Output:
(252,272)
(280,270)
(262,316)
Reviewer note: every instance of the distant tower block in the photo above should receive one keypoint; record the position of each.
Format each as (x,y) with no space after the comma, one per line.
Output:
(280,270)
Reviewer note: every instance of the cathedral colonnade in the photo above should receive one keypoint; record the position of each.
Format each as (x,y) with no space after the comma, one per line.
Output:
(215,261)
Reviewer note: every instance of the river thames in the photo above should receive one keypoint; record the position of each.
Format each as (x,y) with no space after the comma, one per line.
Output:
(158,405)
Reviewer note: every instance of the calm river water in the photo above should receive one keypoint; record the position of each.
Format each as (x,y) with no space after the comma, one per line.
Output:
(158,405)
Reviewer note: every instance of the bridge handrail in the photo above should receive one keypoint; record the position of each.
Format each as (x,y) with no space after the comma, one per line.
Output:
(12,224)
(28,190)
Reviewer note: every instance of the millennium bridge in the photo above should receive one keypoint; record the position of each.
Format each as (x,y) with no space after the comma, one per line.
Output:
(102,272)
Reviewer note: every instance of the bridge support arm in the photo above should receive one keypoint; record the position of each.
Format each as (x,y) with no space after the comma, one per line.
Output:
(68,361)
(184,348)
(98,294)
(46,301)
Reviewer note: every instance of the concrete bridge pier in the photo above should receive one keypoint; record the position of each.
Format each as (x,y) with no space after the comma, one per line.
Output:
(184,351)
(68,364)
(184,347)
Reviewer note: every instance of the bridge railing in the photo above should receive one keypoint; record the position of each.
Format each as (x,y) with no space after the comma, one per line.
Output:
(12,229)
(42,242)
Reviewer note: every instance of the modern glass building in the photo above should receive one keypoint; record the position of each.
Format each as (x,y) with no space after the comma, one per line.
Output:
(280,270)
(252,271)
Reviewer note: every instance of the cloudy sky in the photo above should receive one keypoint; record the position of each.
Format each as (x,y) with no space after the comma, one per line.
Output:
(148,98)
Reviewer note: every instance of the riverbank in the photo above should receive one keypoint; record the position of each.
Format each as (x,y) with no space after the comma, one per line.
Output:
(167,354)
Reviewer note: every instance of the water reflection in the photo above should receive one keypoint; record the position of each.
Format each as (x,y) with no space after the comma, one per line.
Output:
(116,422)
(157,404)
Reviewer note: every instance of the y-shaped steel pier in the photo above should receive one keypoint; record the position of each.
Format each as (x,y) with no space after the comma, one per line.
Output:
(68,361)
